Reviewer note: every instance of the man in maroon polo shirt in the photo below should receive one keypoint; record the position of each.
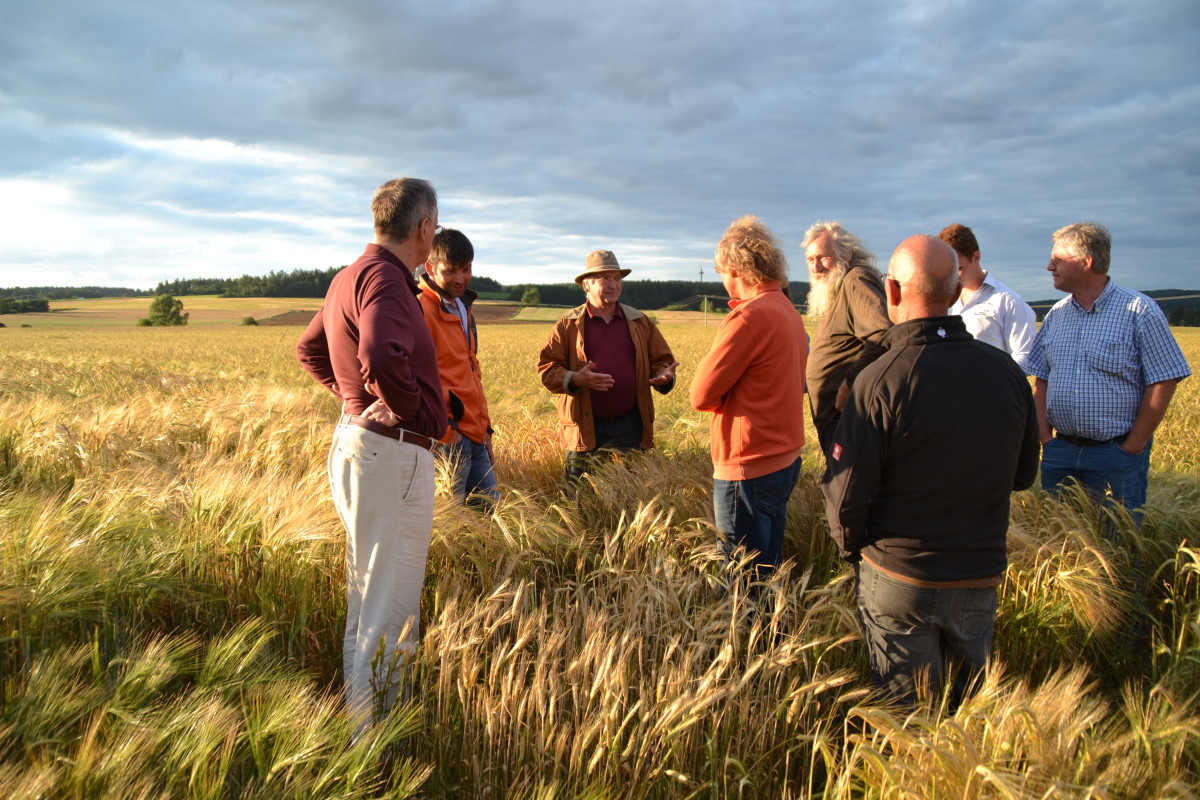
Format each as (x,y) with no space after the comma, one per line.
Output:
(601,359)
(370,347)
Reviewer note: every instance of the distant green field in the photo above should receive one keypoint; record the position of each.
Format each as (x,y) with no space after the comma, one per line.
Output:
(201,309)
(211,310)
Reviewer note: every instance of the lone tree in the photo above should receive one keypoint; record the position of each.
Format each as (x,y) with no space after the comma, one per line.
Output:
(165,310)
(532,296)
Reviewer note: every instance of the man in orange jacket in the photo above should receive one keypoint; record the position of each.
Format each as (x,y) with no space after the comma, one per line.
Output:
(754,369)
(446,300)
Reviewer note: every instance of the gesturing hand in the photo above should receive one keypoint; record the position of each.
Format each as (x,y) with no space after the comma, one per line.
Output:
(666,376)
(588,378)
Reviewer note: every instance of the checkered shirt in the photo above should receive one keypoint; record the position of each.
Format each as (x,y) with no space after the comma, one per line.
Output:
(1098,363)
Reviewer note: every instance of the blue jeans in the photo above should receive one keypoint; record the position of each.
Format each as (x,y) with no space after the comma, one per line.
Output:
(615,434)
(912,631)
(1097,469)
(474,479)
(752,514)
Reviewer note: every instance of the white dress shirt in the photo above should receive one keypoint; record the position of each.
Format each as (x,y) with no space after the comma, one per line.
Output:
(998,316)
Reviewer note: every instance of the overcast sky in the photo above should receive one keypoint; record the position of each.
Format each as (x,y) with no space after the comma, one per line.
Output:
(144,141)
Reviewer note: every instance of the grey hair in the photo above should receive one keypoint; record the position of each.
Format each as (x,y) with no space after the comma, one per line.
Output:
(850,250)
(401,205)
(1088,239)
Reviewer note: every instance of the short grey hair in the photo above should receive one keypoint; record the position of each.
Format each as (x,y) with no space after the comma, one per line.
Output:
(400,206)
(1088,239)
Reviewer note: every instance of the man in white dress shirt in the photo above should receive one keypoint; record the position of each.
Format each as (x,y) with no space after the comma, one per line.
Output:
(992,312)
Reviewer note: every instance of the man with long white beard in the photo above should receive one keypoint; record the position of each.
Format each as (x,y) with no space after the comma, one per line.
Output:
(846,296)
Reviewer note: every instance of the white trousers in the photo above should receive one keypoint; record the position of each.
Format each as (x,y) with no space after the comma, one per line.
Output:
(383,491)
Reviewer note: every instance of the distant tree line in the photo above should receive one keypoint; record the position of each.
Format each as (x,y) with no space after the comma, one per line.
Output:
(1184,316)
(297,283)
(640,294)
(315,283)
(481,284)
(1182,306)
(70,292)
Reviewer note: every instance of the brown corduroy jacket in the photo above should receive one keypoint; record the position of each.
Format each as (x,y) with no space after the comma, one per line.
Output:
(564,355)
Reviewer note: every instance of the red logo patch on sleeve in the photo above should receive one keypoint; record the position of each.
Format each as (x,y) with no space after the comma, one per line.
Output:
(837,452)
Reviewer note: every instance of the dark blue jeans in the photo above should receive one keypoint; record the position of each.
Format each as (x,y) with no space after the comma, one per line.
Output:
(474,479)
(753,514)
(1098,468)
(913,634)
(614,434)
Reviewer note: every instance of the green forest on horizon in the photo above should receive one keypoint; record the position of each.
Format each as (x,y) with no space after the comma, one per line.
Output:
(1182,306)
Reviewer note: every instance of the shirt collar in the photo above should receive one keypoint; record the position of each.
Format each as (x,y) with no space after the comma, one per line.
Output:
(925,330)
(754,291)
(593,315)
(1104,295)
(379,251)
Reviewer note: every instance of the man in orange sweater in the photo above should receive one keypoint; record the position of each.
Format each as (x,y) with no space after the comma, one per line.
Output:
(755,367)
(446,300)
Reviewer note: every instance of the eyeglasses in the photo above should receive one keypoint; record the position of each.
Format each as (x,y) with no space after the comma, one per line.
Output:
(438,229)
(607,279)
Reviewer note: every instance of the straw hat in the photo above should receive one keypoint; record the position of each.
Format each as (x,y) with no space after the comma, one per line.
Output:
(599,261)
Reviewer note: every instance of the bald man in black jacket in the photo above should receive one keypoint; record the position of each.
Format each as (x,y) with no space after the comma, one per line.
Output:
(937,434)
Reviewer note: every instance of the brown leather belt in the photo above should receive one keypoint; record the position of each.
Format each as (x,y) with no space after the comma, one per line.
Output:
(399,434)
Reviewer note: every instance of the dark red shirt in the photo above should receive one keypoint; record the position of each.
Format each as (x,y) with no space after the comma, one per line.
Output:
(370,342)
(609,346)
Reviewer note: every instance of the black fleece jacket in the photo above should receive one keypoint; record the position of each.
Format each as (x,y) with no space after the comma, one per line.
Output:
(936,435)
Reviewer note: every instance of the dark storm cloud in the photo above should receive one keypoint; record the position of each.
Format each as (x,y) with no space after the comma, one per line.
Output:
(550,130)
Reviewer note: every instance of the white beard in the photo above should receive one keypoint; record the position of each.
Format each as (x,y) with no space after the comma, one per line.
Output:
(821,292)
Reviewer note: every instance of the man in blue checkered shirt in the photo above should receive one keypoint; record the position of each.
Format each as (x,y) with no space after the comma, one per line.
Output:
(1106,366)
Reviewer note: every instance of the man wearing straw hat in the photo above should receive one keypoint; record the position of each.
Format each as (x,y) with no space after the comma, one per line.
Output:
(600,360)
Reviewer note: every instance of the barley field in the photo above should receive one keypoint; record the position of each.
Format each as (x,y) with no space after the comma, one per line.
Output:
(172,603)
